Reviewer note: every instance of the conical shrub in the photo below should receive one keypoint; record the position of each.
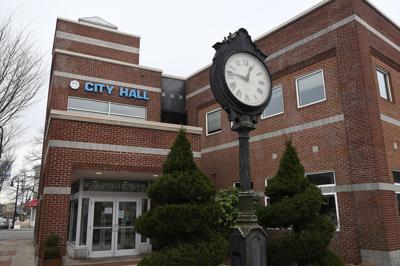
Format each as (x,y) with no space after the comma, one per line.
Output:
(183,220)
(295,206)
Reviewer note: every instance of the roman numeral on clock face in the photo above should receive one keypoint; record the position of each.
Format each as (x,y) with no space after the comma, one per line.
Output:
(260,91)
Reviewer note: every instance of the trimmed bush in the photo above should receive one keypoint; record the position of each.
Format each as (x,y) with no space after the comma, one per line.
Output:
(189,221)
(184,219)
(182,187)
(51,249)
(209,252)
(296,207)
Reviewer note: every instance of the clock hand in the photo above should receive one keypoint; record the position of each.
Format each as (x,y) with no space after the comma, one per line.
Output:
(248,73)
(238,75)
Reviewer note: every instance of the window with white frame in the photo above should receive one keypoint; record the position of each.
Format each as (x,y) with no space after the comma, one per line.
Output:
(213,122)
(266,198)
(108,108)
(398,200)
(330,208)
(275,106)
(310,89)
(396,177)
(383,84)
(322,179)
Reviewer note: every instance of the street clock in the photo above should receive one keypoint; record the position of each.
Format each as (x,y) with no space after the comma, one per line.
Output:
(239,79)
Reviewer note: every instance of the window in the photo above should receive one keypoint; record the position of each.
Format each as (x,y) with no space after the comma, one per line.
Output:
(322,179)
(266,198)
(383,84)
(396,177)
(398,200)
(127,110)
(330,208)
(145,208)
(275,106)
(73,220)
(213,122)
(310,89)
(109,108)
(84,221)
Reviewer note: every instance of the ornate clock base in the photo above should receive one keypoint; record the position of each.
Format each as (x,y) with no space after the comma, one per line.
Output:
(248,245)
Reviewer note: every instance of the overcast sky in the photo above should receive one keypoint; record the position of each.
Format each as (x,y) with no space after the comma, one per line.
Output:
(176,35)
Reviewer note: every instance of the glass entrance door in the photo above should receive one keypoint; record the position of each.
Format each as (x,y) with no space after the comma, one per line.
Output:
(102,228)
(126,234)
(112,231)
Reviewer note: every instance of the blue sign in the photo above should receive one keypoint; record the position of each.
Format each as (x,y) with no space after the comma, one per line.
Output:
(123,91)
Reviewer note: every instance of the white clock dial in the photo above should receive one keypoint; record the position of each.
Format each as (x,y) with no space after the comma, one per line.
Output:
(247,78)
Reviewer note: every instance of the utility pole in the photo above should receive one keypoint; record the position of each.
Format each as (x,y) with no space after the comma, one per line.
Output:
(16,200)
(1,140)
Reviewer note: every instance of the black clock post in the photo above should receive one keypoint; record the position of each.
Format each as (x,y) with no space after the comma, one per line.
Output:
(243,89)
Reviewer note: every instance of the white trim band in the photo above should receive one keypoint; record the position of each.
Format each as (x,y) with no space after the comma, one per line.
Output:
(390,120)
(105,60)
(284,131)
(121,121)
(314,36)
(190,95)
(361,187)
(97,42)
(57,190)
(105,81)
(111,147)
(311,37)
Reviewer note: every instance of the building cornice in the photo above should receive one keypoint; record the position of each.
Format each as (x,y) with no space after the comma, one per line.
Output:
(98,27)
(121,121)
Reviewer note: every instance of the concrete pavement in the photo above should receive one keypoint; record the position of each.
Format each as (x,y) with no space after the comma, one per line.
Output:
(16,248)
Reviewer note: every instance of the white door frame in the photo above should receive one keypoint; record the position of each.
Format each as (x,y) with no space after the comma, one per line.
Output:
(126,252)
(114,251)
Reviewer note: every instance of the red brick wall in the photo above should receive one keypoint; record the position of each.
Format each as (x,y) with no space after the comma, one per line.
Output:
(60,89)
(96,33)
(359,149)
(60,163)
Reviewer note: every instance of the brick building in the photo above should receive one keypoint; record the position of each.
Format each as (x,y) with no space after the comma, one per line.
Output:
(110,122)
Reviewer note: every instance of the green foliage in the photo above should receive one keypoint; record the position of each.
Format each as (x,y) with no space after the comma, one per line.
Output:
(296,206)
(173,223)
(182,187)
(228,201)
(51,249)
(52,241)
(180,158)
(209,252)
(183,221)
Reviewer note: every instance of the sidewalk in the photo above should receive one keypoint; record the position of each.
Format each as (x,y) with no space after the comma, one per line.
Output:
(17,253)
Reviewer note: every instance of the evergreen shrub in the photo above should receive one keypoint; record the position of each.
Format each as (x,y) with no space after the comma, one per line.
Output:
(184,218)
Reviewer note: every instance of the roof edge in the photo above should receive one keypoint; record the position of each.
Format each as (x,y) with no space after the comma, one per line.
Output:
(98,27)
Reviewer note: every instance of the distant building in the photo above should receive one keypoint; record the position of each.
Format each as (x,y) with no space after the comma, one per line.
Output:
(110,123)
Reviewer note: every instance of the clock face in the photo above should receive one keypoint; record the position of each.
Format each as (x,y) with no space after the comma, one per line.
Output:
(247,79)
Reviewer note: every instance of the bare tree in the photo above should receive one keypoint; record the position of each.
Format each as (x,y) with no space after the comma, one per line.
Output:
(21,72)
(34,155)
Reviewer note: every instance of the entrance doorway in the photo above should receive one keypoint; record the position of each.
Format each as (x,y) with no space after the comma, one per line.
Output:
(111,227)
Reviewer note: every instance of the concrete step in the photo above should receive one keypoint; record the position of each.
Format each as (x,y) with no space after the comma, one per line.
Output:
(112,261)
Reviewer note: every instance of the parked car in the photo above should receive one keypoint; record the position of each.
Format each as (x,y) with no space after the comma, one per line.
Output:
(3,223)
